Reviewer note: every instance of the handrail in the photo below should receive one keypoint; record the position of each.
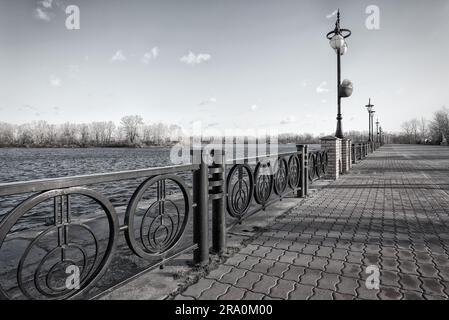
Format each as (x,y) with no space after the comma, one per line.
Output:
(11,188)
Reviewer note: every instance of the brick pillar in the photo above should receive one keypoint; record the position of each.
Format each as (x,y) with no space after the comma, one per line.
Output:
(345,155)
(333,147)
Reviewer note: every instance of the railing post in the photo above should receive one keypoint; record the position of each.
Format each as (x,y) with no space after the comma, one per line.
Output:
(303,165)
(200,216)
(218,195)
(353,153)
(306,170)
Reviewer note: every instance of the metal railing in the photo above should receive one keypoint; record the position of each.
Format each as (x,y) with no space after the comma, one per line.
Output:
(360,150)
(62,223)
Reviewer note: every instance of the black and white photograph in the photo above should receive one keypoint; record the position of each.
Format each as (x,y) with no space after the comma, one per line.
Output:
(213,156)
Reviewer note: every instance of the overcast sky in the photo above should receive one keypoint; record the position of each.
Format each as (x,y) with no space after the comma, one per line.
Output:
(228,63)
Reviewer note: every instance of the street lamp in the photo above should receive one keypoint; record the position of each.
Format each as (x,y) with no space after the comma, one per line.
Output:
(377,130)
(370,107)
(338,43)
(381,136)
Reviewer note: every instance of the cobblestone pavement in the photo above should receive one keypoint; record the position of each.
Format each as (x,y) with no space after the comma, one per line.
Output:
(391,211)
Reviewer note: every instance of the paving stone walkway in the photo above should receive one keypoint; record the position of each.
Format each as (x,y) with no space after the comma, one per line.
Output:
(391,211)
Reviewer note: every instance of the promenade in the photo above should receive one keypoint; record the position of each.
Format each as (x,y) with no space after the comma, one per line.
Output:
(390,211)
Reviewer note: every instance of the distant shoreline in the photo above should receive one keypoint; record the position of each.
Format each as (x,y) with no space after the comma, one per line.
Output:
(85,147)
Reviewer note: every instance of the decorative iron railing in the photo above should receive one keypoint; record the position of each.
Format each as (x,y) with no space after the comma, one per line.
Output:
(360,150)
(318,162)
(61,235)
(64,226)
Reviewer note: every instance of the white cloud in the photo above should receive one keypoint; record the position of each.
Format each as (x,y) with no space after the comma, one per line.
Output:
(208,101)
(254,107)
(330,15)
(324,101)
(289,119)
(193,59)
(55,81)
(304,84)
(47,3)
(118,56)
(40,14)
(148,56)
(321,88)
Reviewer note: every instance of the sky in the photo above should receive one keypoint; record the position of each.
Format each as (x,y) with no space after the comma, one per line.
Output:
(227,63)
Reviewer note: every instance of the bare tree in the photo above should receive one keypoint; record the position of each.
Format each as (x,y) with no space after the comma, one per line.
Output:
(131,125)
(439,126)
(423,129)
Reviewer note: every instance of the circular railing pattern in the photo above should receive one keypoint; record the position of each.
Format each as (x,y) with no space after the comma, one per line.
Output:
(318,164)
(263,178)
(42,269)
(162,221)
(280,176)
(324,162)
(240,186)
(294,171)
(312,166)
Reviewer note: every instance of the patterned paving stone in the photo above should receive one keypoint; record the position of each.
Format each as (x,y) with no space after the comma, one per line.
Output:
(335,266)
(367,294)
(410,282)
(428,270)
(249,280)
(301,292)
(265,284)
(233,294)
(409,267)
(310,277)
(347,286)
(390,293)
(278,269)
(303,260)
(294,273)
(412,295)
(282,289)
(181,297)
(318,263)
(249,295)
(342,296)
(389,212)
(197,289)
(263,266)
(432,287)
(352,270)
(216,290)
(328,281)
(233,276)
(219,272)
(321,294)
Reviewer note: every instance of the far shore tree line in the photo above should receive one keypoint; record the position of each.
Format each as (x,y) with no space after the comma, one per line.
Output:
(132,131)
(424,131)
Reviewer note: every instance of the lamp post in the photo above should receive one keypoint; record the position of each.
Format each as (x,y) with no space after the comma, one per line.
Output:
(370,107)
(381,136)
(377,130)
(338,43)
